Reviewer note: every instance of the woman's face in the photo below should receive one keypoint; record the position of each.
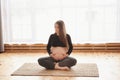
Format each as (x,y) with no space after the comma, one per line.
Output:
(56,28)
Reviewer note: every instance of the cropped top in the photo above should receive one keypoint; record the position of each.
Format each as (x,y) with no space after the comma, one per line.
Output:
(55,42)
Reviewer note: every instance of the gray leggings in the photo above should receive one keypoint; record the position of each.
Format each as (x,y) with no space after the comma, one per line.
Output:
(48,62)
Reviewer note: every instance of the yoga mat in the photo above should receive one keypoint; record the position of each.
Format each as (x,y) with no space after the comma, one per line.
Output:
(79,70)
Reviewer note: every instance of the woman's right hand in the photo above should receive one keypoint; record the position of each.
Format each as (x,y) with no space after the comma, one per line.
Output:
(58,56)
(53,56)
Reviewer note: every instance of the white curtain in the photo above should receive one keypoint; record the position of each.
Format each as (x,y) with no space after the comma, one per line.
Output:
(1,36)
(87,21)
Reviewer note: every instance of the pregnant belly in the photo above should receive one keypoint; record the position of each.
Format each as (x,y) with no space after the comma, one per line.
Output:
(59,50)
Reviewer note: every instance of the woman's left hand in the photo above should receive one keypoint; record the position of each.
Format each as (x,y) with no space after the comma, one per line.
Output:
(58,56)
(62,56)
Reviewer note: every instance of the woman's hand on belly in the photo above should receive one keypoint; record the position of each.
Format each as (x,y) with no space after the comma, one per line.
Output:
(58,56)
(58,53)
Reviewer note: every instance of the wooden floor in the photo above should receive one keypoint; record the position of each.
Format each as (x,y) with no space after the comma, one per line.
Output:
(108,65)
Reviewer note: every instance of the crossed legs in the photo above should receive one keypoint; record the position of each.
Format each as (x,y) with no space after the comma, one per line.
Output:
(50,63)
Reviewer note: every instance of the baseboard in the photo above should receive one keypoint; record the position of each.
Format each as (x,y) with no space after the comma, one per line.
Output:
(115,47)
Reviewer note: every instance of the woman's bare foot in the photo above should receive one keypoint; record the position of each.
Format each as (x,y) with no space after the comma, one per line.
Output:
(65,68)
(61,68)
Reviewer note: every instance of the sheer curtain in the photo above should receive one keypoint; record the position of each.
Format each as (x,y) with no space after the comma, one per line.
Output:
(1,38)
(87,21)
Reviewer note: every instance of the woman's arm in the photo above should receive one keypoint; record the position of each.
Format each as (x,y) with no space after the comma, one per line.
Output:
(49,45)
(70,44)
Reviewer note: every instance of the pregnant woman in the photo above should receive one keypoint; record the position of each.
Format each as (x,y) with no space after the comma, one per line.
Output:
(59,48)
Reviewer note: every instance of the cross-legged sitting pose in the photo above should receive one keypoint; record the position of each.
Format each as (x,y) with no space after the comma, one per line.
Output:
(59,48)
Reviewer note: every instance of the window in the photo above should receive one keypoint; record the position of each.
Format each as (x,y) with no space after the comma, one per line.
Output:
(87,21)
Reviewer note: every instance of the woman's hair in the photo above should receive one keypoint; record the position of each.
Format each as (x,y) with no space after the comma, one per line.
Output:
(62,32)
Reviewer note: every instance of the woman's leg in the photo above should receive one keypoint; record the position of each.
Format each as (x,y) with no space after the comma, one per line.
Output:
(68,61)
(47,62)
